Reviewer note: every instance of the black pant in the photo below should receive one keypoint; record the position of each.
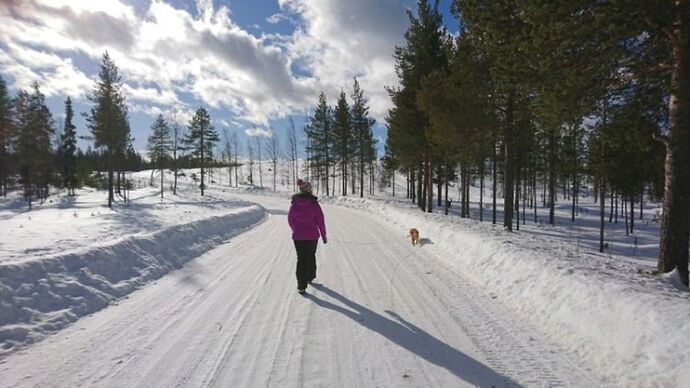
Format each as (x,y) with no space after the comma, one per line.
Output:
(306,262)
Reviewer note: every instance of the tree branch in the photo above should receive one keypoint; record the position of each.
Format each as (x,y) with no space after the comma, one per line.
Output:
(661,138)
(663,28)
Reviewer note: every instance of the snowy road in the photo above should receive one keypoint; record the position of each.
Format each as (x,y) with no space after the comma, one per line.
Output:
(385,314)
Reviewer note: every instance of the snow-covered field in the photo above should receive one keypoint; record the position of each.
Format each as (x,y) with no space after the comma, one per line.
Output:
(73,255)
(474,305)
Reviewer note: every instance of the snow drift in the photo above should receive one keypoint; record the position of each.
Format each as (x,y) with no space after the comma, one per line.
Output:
(41,296)
(630,328)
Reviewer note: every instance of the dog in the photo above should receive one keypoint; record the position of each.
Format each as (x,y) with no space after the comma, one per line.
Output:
(414,236)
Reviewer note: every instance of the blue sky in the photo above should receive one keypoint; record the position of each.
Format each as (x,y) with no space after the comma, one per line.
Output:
(252,64)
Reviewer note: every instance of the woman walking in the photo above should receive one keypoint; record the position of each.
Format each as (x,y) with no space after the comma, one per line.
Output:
(306,221)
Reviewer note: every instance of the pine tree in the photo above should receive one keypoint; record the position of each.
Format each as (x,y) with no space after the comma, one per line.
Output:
(424,52)
(200,140)
(612,46)
(342,138)
(159,145)
(292,152)
(108,119)
(5,136)
(390,164)
(177,137)
(68,147)
(362,126)
(320,142)
(34,145)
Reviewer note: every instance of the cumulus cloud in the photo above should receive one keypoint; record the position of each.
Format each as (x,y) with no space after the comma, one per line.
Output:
(338,40)
(55,75)
(165,52)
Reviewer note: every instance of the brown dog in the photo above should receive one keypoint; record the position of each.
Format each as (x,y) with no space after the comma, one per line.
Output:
(414,236)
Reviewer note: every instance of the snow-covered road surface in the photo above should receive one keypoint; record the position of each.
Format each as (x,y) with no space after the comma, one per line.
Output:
(384,314)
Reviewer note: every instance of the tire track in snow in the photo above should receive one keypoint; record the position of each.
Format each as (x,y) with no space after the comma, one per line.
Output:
(198,362)
(244,315)
(494,332)
(199,303)
(507,345)
(410,293)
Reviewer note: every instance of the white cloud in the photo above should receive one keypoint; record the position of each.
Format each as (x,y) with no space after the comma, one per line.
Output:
(55,76)
(153,95)
(276,18)
(257,132)
(166,51)
(333,57)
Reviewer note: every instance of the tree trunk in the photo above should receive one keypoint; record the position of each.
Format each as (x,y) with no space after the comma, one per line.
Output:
(632,214)
(517,199)
(161,182)
(111,195)
(412,183)
(439,186)
(624,210)
(420,186)
(446,192)
(641,203)
(462,191)
(481,191)
(552,177)
(201,129)
(430,183)
(602,210)
(509,184)
(572,216)
(525,190)
(493,183)
(393,179)
(534,196)
(675,222)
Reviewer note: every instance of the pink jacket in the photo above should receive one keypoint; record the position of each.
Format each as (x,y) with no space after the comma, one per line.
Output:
(306,218)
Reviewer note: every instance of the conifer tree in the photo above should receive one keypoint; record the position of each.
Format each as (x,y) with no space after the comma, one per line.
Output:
(292,151)
(424,52)
(362,128)
(159,145)
(200,140)
(616,45)
(68,147)
(177,146)
(342,138)
(34,146)
(108,119)
(320,142)
(5,136)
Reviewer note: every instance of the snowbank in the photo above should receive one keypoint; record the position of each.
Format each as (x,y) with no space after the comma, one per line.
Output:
(630,328)
(43,295)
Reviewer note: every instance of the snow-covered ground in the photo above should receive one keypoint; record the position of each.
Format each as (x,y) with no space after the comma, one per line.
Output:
(384,314)
(475,305)
(73,256)
(65,224)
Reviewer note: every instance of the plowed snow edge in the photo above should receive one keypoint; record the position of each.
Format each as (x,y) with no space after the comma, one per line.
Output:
(39,297)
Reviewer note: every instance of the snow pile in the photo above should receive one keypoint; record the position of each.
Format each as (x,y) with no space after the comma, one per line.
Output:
(630,328)
(42,295)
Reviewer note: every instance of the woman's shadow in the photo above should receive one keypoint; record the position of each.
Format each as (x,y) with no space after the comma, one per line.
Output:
(415,340)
